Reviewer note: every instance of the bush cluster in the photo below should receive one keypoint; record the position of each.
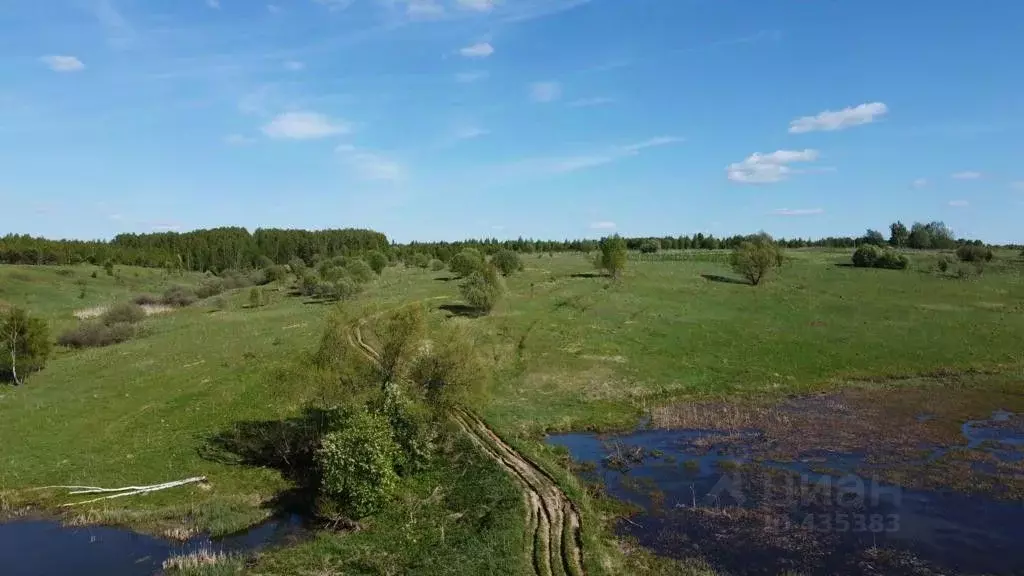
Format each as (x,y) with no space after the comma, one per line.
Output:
(336,279)
(178,296)
(466,262)
(95,334)
(871,256)
(507,262)
(483,289)
(974,253)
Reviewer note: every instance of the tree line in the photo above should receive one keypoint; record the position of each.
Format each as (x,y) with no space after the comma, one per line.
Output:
(200,250)
(236,248)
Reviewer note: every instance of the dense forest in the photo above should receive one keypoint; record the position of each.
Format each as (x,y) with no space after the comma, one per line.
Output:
(233,248)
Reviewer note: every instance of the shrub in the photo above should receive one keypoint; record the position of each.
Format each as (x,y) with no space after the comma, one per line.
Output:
(871,256)
(65,272)
(892,260)
(943,263)
(483,289)
(93,275)
(360,271)
(256,297)
(398,334)
(449,371)
(325,290)
(296,266)
(123,313)
(436,265)
(507,262)
(866,255)
(179,296)
(412,432)
(275,273)
(755,258)
(108,266)
(420,260)
(94,334)
(209,287)
(219,303)
(650,246)
(346,288)
(308,283)
(357,463)
(332,273)
(377,261)
(466,262)
(24,344)
(974,253)
(147,299)
(964,272)
(324,265)
(613,255)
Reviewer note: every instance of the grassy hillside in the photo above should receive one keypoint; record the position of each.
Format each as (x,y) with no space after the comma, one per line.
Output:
(568,350)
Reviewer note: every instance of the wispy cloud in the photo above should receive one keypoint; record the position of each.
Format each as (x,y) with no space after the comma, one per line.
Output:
(920,183)
(1017,185)
(478,50)
(294,65)
(63,63)
(164,227)
(238,140)
(119,31)
(798,211)
(768,168)
(966,175)
(545,91)
(469,132)
(566,164)
(215,4)
(304,126)
(477,5)
(959,203)
(523,10)
(470,77)
(602,225)
(588,102)
(371,166)
(335,5)
(274,9)
(829,120)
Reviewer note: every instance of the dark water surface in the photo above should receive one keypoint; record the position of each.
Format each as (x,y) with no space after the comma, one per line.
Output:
(44,547)
(713,496)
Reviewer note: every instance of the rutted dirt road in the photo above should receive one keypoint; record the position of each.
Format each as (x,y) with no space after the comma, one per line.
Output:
(554,521)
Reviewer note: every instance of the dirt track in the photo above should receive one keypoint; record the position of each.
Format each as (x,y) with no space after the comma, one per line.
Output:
(554,521)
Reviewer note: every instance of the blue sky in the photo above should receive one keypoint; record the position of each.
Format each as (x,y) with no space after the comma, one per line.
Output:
(446,119)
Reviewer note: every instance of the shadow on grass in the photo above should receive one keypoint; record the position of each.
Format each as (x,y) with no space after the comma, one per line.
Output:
(446,279)
(287,446)
(844,265)
(461,310)
(723,279)
(587,275)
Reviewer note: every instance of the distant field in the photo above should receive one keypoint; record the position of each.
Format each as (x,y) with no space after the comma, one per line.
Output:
(569,350)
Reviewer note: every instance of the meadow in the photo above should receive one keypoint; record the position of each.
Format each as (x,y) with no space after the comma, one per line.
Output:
(567,349)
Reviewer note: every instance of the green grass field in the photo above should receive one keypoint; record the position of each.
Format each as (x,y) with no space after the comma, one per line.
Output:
(567,350)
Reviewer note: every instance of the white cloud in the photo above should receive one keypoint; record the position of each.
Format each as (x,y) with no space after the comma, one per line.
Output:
(766,168)
(545,91)
(1017,185)
(478,50)
(274,8)
(920,183)
(966,175)
(602,225)
(470,77)
(63,63)
(798,211)
(294,65)
(588,102)
(959,203)
(477,5)
(213,4)
(335,5)
(165,227)
(370,165)
(838,120)
(304,126)
(421,9)
(238,140)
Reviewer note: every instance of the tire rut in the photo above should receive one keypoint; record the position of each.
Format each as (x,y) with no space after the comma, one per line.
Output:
(553,521)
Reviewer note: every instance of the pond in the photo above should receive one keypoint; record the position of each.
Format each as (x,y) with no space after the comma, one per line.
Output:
(726,498)
(33,547)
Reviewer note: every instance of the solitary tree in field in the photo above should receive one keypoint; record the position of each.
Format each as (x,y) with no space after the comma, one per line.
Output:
(466,262)
(755,258)
(508,262)
(24,343)
(377,261)
(483,289)
(398,333)
(613,255)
